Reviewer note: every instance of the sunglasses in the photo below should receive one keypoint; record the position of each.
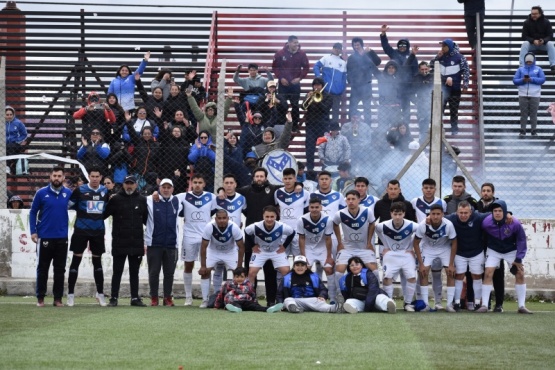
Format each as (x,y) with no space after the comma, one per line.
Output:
(95,133)
(204,137)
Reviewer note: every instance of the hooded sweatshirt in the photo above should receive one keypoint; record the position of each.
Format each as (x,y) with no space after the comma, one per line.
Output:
(206,123)
(124,88)
(409,67)
(532,88)
(503,237)
(454,65)
(15,129)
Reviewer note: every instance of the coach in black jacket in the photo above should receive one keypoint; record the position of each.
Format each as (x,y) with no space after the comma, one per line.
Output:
(129,213)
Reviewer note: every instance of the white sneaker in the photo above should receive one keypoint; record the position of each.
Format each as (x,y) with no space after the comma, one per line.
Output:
(470,306)
(188,301)
(438,306)
(450,308)
(70,300)
(408,307)
(204,304)
(101,300)
(350,309)
(391,308)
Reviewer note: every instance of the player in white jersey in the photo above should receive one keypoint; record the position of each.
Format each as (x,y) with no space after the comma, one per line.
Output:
(332,202)
(315,230)
(291,205)
(197,209)
(398,254)
(422,207)
(222,242)
(438,239)
(270,239)
(366,200)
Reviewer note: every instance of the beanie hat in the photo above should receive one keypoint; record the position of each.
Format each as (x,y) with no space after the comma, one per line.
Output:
(529,58)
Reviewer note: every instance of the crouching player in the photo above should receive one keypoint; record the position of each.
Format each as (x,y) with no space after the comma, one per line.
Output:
(302,290)
(361,290)
(398,254)
(222,242)
(238,295)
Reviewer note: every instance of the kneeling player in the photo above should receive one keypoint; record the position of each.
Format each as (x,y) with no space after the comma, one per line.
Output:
(222,242)
(398,254)
(302,290)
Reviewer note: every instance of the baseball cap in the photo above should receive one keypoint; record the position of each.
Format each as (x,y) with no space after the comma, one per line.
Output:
(300,259)
(257,114)
(271,83)
(338,46)
(166,181)
(130,178)
(251,155)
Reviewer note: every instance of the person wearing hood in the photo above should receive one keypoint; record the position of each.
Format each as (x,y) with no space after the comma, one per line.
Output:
(335,149)
(207,119)
(421,91)
(317,118)
(15,202)
(529,80)
(537,34)
(408,67)
(95,115)
(290,66)
(454,78)
(359,77)
(269,139)
(458,185)
(333,69)
(124,84)
(163,80)
(505,241)
(390,87)
(203,158)
(94,152)
(16,136)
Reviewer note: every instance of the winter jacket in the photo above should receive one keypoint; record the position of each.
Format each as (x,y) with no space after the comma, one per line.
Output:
(138,126)
(162,227)
(532,88)
(15,129)
(408,66)
(94,155)
(124,88)
(390,86)
(150,102)
(98,118)
(172,104)
(453,202)
(205,123)
(290,66)
(422,85)
(281,143)
(174,151)
(129,214)
(537,29)
(307,285)
(503,237)
(145,153)
(367,293)
(335,150)
(333,69)
(248,83)
(318,114)
(257,197)
(471,7)
(48,216)
(199,150)
(454,65)
(232,292)
(359,73)
(119,161)
(382,210)
(469,234)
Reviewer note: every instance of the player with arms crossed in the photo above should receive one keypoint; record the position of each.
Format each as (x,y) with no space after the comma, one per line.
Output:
(438,239)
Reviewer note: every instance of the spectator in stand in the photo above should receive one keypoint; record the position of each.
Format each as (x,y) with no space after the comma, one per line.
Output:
(335,149)
(422,85)
(232,148)
(333,69)
(175,102)
(271,143)
(15,202)
(390,87)
(179,119)
(119,160)
(194,84)
(93,153)
(16,136)
(345,177)
(203,158)
(273,108)
(529,80)
(251,134)
(146,153)
(359,134)
(406,68)
(124,84)
(95,115)
(454,78)
(175,144)
(151,102)
(140,122)
(399,137)
(317,118)
(471,7)
(290,66)
(537,34)
(206,119)
(253,85)
(114,134)
(163,80)
(110,185)
(359,77)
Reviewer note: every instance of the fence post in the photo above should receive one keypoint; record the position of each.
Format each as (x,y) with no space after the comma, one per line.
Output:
(480,105)
(219,168)
(3,177)
(436,130)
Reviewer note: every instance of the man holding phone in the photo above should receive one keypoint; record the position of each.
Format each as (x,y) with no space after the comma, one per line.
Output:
(95,115)
(529,79)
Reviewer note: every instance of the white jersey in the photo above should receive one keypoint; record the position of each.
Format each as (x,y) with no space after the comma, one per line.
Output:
(422,208)
(396,239)
(369,202)
(291,206)
(354,230)
(270,240)
(332,202)
(315,232)
(222,241)
(234,207)
(436,238)
(197,213)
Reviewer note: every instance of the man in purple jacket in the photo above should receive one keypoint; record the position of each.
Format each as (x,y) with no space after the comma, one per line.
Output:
(505,242)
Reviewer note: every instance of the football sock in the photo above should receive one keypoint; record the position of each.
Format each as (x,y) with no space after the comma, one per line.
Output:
(477,285)
(98,274)
(188,284)
(73,272)
(403,284)
(458,291)
(486,291)
(424,293)
(520,290)
(450,294)
(410,292)
(205,288)
(332,287)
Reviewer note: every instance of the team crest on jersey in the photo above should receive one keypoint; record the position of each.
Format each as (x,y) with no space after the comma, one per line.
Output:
(207,198)
(334,197)
(470,223)
(277,234)
(64,195)
(267,190)
(239,202)
(507,231)
(322,224)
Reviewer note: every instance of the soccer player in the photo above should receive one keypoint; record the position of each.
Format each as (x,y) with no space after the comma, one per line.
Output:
(197,208)
(302,290)
(269,238)
(49,220)
(162,230)
(398,254)
(354,228)
(422,205)
(89,200)
(222,242)
(505,242)
(315,230)
(438,239)
(291,205)
(366,200)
